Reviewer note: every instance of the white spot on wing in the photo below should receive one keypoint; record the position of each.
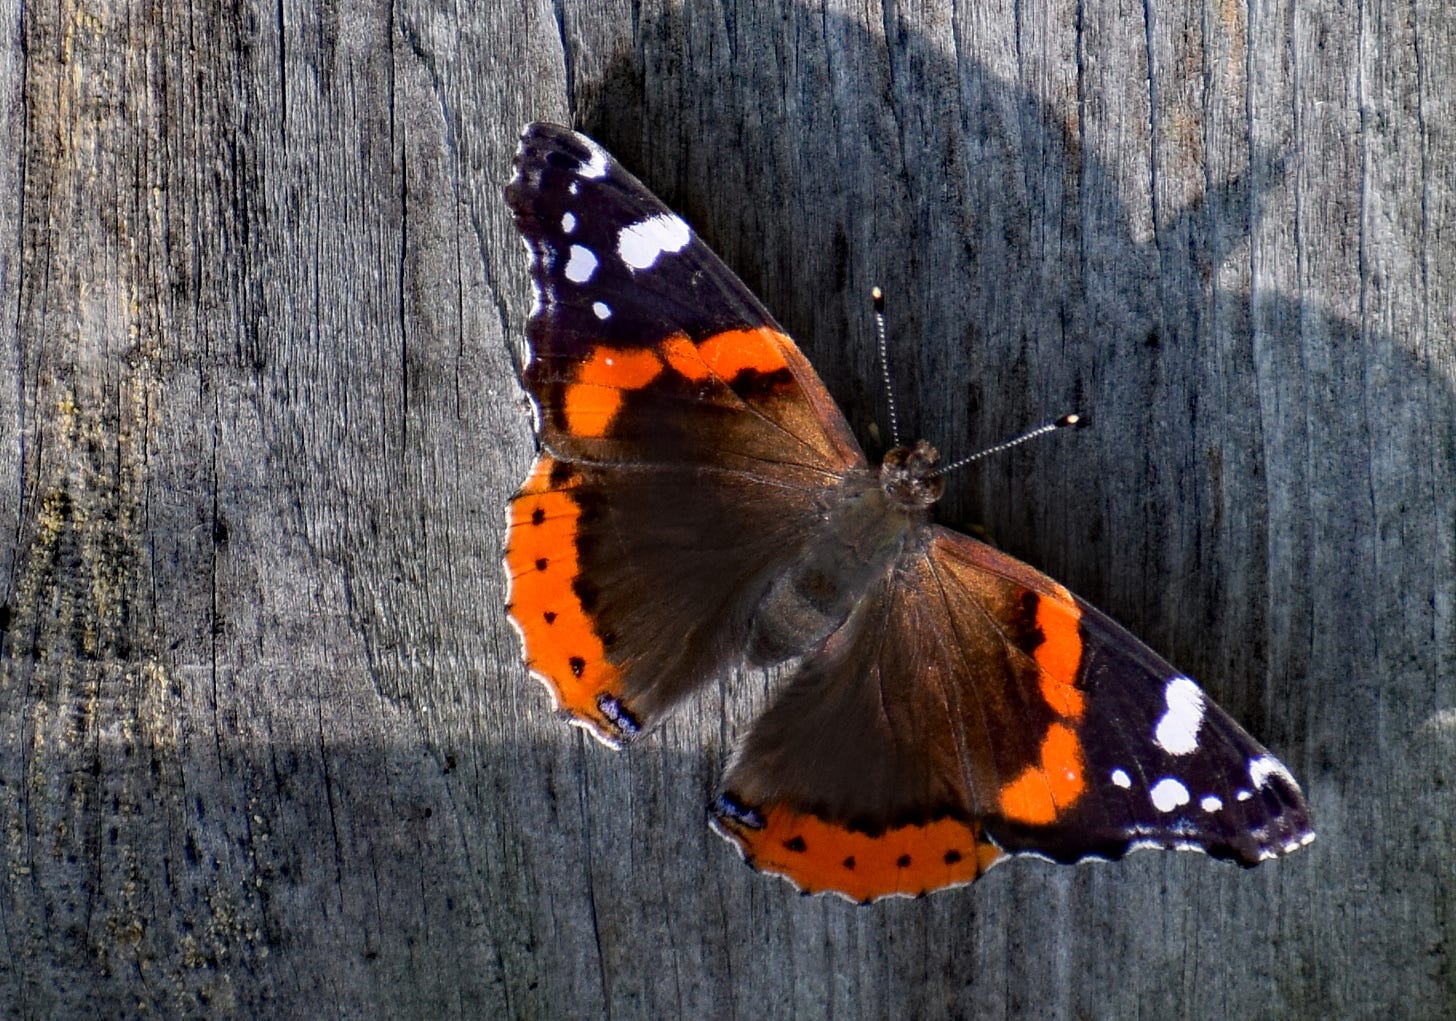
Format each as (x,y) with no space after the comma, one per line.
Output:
(1120,777)
(1168,794)
(1177,731)
(602,309)
(641,244)
(1243,795)
(596,165)
(581,265)
(568,223)
(1265,767)
(1211,803)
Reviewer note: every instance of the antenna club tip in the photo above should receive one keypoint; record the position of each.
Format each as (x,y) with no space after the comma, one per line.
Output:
(1074,419)
(878,296)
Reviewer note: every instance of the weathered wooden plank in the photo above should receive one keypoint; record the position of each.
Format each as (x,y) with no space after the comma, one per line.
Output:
(12,131)
(268,749)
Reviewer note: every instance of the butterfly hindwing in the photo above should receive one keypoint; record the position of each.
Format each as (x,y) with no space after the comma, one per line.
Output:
(852,781)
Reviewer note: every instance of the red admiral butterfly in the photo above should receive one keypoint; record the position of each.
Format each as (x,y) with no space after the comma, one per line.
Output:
(699,502)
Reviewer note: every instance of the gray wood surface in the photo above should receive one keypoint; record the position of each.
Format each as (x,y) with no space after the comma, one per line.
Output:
(266,746)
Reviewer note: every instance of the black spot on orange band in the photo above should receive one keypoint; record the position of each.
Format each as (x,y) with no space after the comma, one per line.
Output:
(561,642)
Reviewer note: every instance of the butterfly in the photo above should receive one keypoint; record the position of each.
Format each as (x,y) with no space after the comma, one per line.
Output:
(699,503)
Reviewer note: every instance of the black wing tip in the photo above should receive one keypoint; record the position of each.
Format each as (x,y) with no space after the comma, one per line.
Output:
(552,158)
(546,129)
(545,149)
(540,140)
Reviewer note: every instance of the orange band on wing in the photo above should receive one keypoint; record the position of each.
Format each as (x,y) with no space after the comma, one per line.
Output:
(684,358)
(820,856)
(724,355)
(732,351)
(1060,654)
(595,395)
(561,644)
(1055,782)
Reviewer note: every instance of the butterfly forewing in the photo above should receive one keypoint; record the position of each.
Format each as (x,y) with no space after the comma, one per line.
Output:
(1147,759)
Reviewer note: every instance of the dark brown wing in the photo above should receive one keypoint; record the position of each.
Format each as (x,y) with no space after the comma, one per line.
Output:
(971,704)
(687,445)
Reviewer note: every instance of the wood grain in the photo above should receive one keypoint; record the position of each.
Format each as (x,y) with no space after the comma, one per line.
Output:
(268,748)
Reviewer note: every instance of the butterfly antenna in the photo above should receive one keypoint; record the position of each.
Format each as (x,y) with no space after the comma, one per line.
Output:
(1015,441)
(879,299)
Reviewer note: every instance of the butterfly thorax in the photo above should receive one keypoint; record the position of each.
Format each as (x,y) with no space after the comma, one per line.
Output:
(871,521)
